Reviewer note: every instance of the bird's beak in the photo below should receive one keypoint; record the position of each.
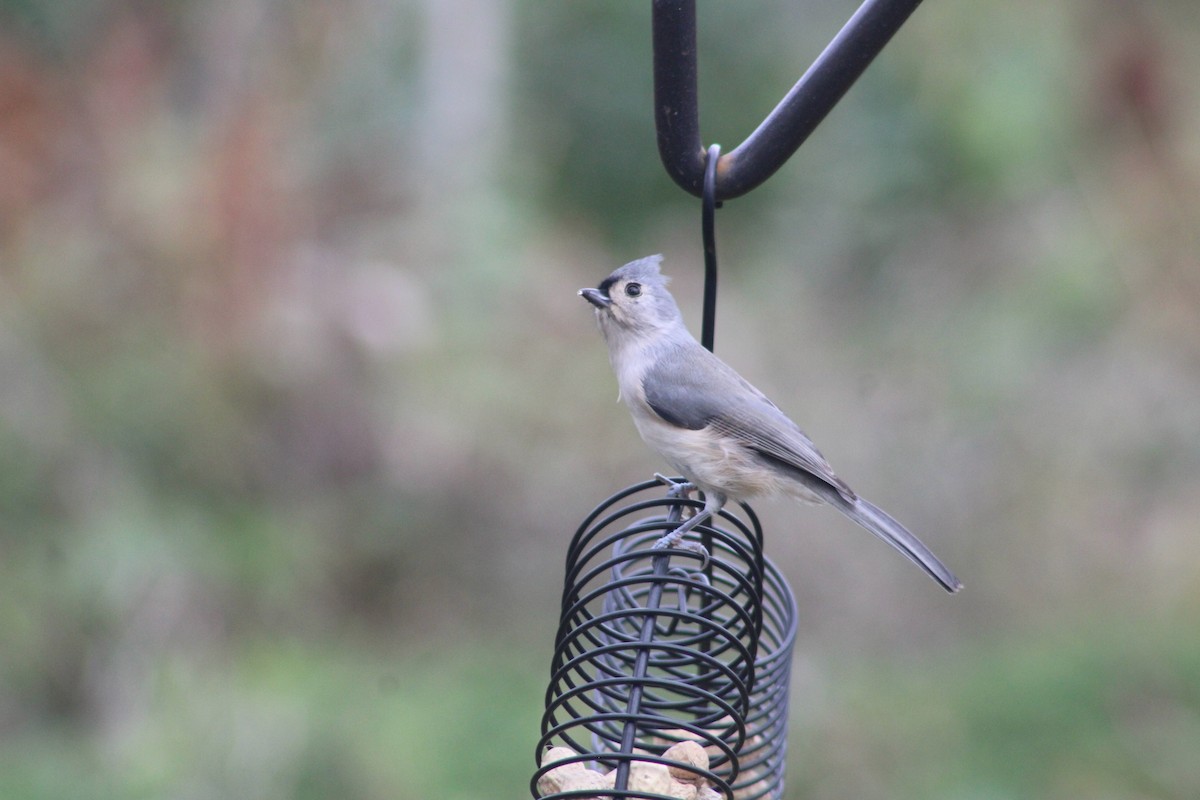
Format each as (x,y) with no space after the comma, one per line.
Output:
(596,297)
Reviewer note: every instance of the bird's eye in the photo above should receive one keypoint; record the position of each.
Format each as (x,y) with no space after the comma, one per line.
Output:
(633,289)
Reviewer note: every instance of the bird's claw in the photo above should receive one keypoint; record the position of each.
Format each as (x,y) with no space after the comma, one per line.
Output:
(672,541)
(698,549)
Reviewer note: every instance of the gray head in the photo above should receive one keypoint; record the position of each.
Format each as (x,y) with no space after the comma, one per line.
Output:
(634,301)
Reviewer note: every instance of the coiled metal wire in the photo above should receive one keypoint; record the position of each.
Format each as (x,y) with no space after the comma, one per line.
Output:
(656,647)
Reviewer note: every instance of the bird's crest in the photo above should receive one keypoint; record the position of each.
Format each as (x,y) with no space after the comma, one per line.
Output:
(646,270)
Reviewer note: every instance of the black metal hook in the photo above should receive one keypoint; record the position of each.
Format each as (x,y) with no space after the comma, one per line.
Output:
(765,150)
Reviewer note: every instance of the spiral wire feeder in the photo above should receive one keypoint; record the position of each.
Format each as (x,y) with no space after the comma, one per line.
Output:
(655,647)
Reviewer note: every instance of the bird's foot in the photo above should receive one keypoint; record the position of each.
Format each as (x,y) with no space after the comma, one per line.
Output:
(678,490)
(674,540)
(677,487)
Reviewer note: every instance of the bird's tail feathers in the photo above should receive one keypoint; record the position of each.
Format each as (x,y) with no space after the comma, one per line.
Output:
(878,522)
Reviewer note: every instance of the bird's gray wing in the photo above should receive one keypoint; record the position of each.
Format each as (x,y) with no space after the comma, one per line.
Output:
(694,389)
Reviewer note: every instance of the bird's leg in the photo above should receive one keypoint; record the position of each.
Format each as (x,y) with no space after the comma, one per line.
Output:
(713,501)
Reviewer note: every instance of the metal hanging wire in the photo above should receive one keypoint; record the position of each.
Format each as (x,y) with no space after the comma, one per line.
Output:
(708,233)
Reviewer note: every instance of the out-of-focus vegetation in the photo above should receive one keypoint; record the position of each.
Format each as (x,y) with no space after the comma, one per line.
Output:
(298,408)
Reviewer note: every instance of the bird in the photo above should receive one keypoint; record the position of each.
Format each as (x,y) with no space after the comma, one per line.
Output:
(708,422)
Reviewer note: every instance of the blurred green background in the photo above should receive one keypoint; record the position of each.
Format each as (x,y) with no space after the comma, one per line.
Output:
(298,408)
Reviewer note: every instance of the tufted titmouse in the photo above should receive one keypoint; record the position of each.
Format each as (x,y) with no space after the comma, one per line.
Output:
(709,423)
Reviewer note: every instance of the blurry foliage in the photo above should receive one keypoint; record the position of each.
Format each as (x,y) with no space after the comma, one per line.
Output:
(1088,712)
(298,409)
